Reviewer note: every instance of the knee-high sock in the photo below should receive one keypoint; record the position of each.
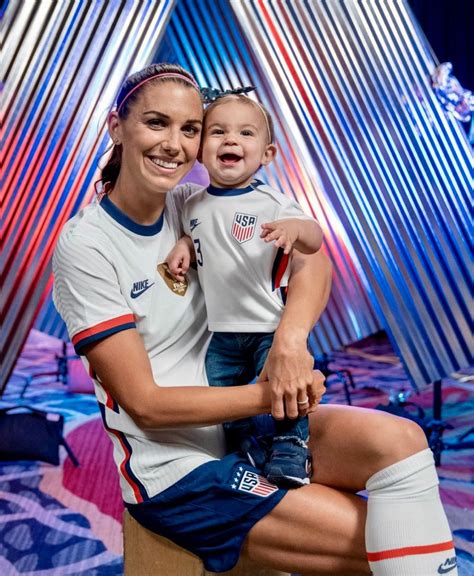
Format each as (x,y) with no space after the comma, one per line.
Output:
(407,532)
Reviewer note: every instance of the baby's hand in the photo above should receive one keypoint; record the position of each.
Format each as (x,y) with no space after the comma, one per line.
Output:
(178,260)
(283,232)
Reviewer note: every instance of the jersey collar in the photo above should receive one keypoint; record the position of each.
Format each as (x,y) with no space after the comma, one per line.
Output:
(126,222)
(233,191)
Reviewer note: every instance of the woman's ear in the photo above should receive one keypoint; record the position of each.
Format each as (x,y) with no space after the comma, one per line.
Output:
(113,124)
(269,154)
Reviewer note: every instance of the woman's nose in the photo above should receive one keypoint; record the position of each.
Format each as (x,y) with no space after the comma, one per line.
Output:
(171,143)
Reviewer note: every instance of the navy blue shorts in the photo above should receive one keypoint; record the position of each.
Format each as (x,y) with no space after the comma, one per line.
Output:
(211,510)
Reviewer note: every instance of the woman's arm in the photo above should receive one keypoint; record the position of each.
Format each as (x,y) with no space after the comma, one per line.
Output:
(289,366)
(122,365)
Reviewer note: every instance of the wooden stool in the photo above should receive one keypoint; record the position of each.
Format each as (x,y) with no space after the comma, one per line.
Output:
(147,554)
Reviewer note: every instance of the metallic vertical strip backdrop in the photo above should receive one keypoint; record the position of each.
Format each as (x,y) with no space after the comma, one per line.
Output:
(62,65)
(351,80)
(363,145)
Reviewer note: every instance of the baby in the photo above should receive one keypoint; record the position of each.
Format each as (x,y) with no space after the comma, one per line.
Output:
(240,232)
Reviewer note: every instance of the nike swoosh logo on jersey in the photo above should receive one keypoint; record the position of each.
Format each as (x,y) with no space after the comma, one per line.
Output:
(448,565)
(135,293)
(194,223)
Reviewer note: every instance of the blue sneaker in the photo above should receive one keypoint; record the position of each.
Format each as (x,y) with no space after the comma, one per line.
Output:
(289,465)
(255,451)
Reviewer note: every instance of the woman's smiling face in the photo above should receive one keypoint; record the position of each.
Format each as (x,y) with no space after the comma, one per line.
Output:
(160,136)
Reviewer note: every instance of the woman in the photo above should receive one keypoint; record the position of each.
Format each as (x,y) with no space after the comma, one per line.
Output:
(144,339)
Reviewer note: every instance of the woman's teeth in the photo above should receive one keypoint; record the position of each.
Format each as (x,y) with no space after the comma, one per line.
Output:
(164,164)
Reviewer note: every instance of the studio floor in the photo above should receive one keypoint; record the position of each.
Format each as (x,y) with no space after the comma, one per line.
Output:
(58,520)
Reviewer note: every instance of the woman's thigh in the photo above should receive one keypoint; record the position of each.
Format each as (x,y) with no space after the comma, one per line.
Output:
(314,530)
(351,444)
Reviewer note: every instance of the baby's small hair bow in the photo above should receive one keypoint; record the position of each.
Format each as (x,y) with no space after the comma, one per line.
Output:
(212,94)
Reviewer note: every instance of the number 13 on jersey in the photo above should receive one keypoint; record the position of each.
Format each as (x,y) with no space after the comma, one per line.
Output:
(197,248)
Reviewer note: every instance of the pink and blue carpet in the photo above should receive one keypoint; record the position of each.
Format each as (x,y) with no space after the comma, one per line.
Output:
(58,520)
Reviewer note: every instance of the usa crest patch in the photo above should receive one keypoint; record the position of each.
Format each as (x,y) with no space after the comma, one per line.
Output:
(252,483)
(243,227)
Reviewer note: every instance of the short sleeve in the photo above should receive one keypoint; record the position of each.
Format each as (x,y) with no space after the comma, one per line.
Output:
(87,293)
(291,209)
(178,197)
(185,220)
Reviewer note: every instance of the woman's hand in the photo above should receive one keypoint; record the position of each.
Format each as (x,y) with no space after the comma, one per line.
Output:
(296,387)
(289,366)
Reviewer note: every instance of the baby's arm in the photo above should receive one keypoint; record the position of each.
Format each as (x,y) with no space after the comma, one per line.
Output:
(306,236)
(180,258)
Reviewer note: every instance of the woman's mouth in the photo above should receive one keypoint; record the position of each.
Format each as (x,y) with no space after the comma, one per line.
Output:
(166,164)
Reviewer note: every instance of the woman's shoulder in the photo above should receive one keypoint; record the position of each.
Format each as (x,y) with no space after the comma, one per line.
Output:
(81,231)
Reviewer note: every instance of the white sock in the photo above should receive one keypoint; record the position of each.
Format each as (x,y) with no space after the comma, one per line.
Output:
(407,532)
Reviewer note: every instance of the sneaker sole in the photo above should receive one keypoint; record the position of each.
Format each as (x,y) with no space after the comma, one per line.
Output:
(250,459)
(288,481)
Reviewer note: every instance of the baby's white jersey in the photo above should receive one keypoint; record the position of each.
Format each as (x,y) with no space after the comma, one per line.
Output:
(243,277)
(108,278)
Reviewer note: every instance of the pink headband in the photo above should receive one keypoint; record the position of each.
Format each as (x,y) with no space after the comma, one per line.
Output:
(160,75)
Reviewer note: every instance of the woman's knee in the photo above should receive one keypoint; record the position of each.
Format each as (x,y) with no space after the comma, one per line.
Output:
(349,444)
(396,438)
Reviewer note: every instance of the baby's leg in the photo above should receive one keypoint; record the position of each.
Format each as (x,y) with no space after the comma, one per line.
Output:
(227,365)
(289,463)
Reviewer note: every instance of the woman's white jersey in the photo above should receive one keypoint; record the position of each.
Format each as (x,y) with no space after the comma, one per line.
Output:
(109,276)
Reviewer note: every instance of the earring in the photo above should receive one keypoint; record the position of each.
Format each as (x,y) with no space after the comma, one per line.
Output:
(116,141)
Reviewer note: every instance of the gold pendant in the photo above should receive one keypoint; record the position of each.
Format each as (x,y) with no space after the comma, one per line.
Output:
(174,285)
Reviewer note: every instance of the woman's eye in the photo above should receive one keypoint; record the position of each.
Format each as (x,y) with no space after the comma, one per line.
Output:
(156,123)
(191,130)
